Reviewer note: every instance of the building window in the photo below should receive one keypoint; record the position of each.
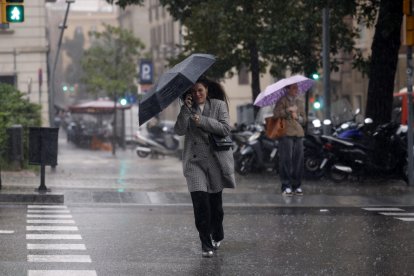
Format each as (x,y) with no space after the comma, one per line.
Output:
(243,76)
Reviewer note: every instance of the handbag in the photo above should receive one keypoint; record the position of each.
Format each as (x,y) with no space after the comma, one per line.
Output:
(275,127)
(220,143)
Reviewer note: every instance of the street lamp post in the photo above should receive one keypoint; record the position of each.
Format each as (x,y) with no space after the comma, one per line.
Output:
(52,92)
(325,62)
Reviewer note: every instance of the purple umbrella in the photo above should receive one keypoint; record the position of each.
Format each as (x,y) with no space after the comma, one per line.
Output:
(275,91)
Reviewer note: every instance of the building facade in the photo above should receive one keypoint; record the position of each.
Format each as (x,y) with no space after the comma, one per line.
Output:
(23,55)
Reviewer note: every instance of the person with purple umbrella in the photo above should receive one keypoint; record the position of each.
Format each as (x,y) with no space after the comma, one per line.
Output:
(291,108)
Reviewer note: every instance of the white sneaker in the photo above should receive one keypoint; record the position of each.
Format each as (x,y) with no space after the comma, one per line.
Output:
(287,192)
(207,254)
(298,191)
(216,245)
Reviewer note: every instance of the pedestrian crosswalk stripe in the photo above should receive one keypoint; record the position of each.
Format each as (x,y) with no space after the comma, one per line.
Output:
(396,214)
(51,221)
(406,219)
(51,228)
(379,209)
(59,258)
(48,211)
(6,231)
(55,246)
(47,207)
(47,216)
(54,218)
(61,273)
(53,237)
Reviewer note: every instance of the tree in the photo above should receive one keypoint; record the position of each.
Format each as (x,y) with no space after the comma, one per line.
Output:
(124,3)
(75,50)
(287,34)
(110,64)
(15,110)
(257,33)
(383,66)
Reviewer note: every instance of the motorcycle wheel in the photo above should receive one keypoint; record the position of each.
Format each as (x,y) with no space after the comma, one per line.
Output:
(337,176)
(244,165)
(312,167)
(142,154)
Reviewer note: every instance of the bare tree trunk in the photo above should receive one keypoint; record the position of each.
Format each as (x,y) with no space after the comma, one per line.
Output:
(385,47)
(255,70)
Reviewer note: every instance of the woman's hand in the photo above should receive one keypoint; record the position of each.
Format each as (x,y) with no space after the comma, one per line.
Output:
(196,119)
(188,100)
(293,112)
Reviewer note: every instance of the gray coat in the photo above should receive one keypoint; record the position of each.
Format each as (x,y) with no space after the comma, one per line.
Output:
(205,169)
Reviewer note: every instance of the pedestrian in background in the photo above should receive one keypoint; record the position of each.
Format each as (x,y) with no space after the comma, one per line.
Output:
(205,110)
(291,108)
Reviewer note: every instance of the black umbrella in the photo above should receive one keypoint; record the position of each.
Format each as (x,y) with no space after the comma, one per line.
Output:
(172,84)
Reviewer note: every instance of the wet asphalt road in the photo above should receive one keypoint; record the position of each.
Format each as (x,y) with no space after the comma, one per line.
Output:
(139,240)
(133,216)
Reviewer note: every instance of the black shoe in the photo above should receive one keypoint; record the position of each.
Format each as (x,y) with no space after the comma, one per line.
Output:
(207,254)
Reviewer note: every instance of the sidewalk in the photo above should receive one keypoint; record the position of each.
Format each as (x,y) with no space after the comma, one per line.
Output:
(317,194)
(96,177)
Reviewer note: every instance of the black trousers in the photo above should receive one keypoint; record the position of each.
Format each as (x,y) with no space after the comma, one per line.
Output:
(208,214)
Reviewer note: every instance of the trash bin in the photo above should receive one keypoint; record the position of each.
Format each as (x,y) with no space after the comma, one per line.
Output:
(15,144)
(43,145)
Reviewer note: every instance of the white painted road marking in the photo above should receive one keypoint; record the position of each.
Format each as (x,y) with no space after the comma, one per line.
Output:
(397,214)
(6,231)
(55,246)
(52,237)
(48,211)
(59,258)
(379,209)
(51,228)
(47,207)
(48,216)
(54,221)
(406,219)
(61,273)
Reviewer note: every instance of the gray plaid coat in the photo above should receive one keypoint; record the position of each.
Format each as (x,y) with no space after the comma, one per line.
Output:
(205,169)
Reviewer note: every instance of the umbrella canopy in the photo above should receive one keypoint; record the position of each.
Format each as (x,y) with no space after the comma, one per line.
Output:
(275,91)
(172,84)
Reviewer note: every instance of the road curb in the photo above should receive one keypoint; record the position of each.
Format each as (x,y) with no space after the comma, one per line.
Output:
(31,197)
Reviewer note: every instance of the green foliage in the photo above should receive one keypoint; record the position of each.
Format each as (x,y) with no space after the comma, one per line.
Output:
(124,3)
(288,34)
(15,110)
(110,63)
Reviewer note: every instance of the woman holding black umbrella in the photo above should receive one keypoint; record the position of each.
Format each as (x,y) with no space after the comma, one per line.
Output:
(207,171)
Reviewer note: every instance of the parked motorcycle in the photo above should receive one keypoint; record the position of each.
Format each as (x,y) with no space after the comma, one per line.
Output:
(241,135)
(384,154)
(159,140)
(259,154)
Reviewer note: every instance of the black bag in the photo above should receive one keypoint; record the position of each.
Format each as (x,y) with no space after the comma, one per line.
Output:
(220,143)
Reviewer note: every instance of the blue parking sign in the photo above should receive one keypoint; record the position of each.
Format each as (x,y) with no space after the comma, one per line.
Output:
(146,73)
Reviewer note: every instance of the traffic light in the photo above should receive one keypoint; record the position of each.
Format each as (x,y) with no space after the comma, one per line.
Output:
(123,101)
(317,104)
(315,76)
(12,11)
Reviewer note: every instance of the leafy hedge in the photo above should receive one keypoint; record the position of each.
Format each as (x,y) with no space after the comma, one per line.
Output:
(15,110)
